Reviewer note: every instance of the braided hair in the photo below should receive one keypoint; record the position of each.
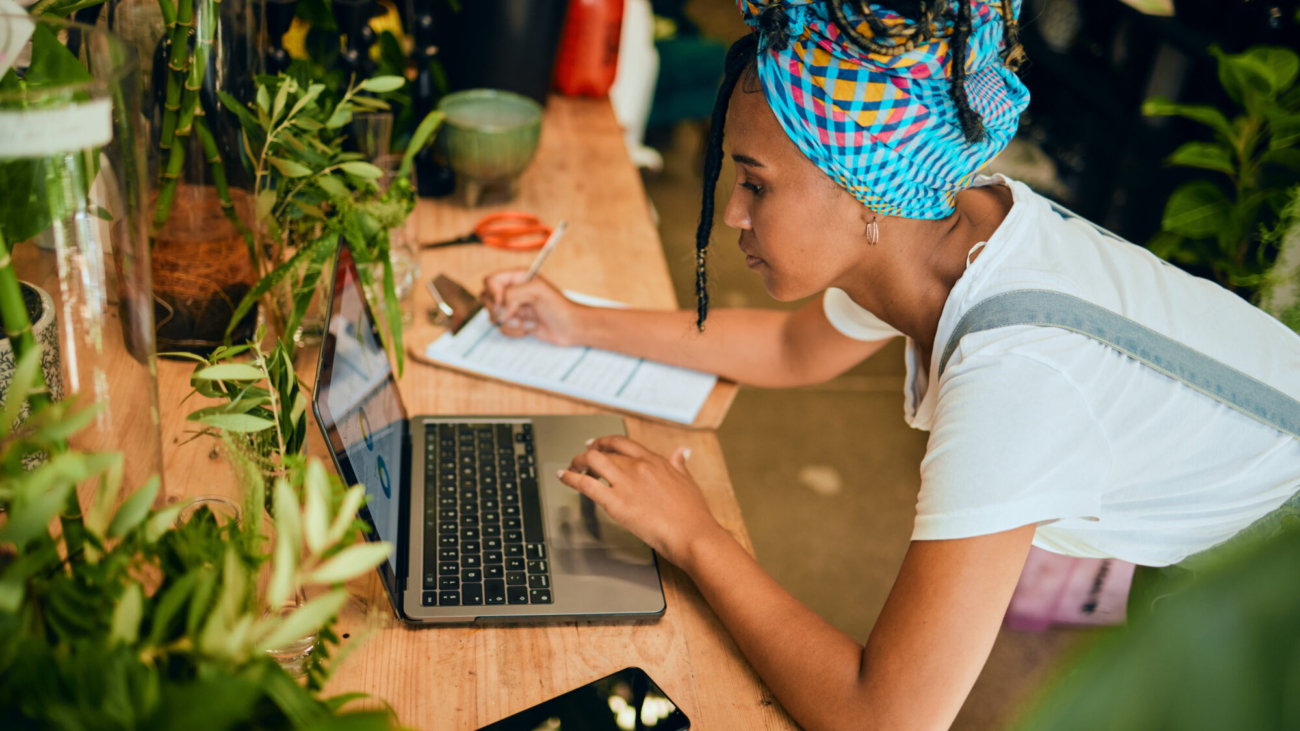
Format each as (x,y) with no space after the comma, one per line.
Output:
(925,14)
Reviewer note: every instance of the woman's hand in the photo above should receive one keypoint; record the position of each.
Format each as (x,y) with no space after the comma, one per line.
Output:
(653,497)
(534,308)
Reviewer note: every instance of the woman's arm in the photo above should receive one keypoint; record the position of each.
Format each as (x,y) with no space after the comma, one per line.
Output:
(927,647)
(756,347)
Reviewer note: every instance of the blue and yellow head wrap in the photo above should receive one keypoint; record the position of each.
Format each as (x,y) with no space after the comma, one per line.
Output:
(882,121)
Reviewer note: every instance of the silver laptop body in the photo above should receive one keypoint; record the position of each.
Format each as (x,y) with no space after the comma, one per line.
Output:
(572,561)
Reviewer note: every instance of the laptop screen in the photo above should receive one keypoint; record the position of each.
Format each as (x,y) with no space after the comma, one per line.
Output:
(359,407)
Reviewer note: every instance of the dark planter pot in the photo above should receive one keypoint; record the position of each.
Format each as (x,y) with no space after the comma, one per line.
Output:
(501,44)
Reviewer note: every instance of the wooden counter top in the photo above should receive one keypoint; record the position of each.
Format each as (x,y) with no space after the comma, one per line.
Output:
(460,678)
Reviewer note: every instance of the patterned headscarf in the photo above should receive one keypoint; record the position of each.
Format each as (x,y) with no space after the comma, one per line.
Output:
(885,127)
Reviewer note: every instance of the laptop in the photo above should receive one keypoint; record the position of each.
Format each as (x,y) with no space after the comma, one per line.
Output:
(484,530)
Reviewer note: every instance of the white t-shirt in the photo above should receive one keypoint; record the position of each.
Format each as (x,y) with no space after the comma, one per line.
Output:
(1109,457)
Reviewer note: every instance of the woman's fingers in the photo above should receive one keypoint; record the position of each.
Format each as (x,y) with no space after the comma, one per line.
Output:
(609,466)
(593,488)
(619,444)
(495,285)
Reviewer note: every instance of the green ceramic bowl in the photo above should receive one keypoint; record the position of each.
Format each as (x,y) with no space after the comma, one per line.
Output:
(489,136)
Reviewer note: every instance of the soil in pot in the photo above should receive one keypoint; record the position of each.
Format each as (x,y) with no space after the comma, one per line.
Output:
(201,271)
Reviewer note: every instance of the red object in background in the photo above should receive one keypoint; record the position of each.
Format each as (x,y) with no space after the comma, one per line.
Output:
(588,56)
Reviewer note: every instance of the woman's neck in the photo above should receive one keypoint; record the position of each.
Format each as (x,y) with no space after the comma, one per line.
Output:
(906,281)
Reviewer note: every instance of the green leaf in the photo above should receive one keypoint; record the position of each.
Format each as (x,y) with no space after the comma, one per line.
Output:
(393,310)
(288,518)
(1197,210)
(102,214)
(101,508)
(1277,66)
(238,423)
(265,204)
(289,168)
(313,91)
(341,116)
(381,84)
(25,522)
(1288,158)
(263,99)
(1284,131)
(315,512)
(20,386)
(276,276)
(169,603)
(1203,113)
(52,65)
(246,118)
(423,136)
(362,170)
(351,561)
(280,97)
(134,509)
(125,625)
(230,372)
(283,571)
(1207,155)
(161,522)
(307,619)
(332,186)
(347,513)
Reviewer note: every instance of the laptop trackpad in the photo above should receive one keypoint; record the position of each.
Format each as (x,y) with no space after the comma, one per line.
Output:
(573,521)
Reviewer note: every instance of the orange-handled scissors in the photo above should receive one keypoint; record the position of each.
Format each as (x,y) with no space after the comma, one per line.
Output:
(511,230)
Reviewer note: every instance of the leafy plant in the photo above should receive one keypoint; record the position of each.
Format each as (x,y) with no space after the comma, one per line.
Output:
(134,619)
(1254,153)
(311,196)
(1279,293)
(262,418)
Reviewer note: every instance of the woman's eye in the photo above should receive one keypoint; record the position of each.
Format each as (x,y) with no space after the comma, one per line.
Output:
(755,189)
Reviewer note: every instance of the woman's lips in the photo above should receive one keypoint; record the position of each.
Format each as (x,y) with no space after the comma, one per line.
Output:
(752,261)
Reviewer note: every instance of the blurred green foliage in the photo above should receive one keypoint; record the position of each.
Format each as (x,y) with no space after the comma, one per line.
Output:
(129,618)
(1221,651)
(1220,222)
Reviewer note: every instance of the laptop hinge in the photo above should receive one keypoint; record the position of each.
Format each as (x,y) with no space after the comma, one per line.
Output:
(404,512)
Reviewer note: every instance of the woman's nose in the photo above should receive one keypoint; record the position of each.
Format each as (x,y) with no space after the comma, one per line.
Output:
(736,214)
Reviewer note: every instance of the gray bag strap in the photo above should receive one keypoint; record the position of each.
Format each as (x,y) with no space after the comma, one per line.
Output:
(1215,379)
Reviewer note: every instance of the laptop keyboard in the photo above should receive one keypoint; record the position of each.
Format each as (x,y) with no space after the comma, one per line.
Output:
(483,541)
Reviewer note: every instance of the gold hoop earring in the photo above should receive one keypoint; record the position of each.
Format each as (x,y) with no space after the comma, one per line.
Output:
(873,232)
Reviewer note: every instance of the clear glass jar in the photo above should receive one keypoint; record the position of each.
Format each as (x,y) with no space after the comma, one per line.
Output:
(72,173)
(201,217)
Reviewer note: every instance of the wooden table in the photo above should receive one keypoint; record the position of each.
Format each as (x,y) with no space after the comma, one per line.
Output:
(461,678)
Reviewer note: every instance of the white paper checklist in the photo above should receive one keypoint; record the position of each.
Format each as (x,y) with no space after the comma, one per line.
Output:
(600,376)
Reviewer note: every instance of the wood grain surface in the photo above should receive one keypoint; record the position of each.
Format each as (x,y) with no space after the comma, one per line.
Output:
(460,678)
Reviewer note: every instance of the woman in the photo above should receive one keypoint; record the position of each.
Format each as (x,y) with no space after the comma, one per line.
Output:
(856,132)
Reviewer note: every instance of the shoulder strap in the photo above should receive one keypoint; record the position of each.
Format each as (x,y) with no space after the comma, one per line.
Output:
(1215,379)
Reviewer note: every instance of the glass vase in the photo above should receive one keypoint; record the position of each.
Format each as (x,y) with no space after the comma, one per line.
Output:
(72,175)
(201,214)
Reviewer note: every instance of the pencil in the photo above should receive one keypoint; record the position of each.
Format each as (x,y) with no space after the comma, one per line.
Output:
(545,252)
